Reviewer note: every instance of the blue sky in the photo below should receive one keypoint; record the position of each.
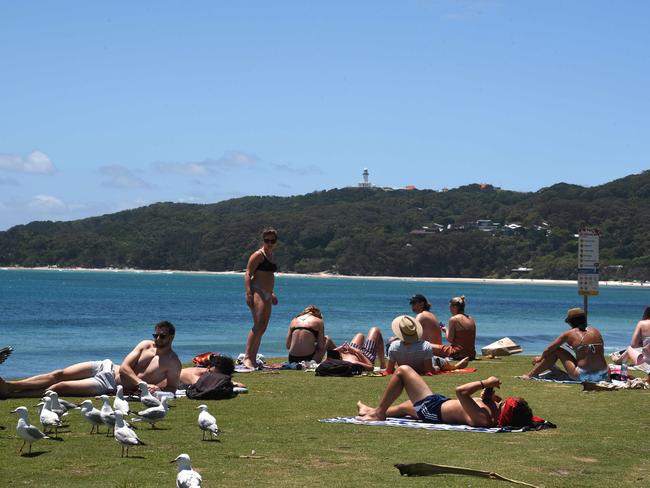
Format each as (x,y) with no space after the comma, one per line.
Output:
(108,106)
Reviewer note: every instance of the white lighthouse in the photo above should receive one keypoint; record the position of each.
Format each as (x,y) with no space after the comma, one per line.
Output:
(365,183)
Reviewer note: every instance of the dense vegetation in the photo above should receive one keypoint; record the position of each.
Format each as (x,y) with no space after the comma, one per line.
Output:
(362,232)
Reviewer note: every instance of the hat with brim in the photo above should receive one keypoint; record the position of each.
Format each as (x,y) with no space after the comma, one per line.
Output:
(573,313)
(407,328)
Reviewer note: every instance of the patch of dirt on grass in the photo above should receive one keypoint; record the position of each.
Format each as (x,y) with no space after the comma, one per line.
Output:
(585,460)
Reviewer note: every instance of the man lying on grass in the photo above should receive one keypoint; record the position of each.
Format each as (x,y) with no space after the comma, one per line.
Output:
(487,411)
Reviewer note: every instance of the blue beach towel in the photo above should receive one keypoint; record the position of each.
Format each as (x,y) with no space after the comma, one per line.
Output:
(417,424)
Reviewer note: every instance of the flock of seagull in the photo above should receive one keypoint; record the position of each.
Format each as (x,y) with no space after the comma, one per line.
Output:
(52,409)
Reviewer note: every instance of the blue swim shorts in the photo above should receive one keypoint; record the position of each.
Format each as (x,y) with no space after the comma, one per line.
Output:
(428,409)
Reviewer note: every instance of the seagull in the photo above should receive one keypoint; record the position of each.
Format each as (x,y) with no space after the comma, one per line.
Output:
(153,414)
(147,398)
(186,477)
(125,435)
(91,414)
(28,433)
(207,422)
(119,403)
(48,418)
(59,404)
(107,414)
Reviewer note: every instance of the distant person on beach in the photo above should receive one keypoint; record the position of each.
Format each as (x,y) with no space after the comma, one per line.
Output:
(411,350)
(639,350)
(259,281)
(306,336)
(589,362)
(152,361)
(486,411)
(460,333)
(361,350)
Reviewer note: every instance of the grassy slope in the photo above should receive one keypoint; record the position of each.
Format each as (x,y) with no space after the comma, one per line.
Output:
(601,439)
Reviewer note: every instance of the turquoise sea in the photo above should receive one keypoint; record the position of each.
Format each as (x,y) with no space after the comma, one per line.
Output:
(54,318)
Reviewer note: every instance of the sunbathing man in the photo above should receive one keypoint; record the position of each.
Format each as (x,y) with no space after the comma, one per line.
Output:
(152,361)
(360,350)
(221,364)
(487,411)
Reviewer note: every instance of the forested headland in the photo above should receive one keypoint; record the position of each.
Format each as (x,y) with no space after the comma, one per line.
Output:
(361,231)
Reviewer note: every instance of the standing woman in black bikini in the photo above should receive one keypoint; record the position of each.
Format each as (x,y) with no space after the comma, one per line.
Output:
(259,281)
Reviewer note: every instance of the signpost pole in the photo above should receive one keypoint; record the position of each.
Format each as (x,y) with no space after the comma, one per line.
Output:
(588,266)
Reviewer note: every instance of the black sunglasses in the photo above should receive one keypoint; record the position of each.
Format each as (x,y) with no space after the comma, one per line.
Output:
(162,336)
(270,241)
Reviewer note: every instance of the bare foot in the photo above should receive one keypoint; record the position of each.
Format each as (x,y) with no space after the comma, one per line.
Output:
(362,409)
(247,363)
(462,363)
(372,414)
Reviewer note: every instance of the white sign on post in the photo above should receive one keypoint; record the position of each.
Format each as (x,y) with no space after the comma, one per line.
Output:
(588,266)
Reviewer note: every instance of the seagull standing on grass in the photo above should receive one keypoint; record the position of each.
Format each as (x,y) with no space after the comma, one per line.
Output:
(147,398)
(186,477)
(59,405)
(119,403)
(91,414)
(153,414)
(207,422)
(27,432)
(124,435)
(49,419)
(107,414)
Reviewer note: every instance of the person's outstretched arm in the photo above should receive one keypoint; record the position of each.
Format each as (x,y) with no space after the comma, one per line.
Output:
(477,416)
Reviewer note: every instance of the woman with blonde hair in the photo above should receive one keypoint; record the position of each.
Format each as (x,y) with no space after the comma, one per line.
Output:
(306,336)
(259,281)
(460,332)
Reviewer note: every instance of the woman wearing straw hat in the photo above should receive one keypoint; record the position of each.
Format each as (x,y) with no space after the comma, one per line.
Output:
(411,350)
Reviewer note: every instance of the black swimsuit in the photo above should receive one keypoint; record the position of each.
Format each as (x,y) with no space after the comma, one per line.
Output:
(267,265)
(308,357)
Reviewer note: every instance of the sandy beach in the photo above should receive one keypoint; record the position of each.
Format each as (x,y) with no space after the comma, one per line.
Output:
(504,281)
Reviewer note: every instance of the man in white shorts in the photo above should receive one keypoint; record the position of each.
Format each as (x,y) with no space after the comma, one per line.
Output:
(152,361)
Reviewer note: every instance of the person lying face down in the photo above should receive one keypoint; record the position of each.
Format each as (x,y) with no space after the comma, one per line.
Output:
(488,410)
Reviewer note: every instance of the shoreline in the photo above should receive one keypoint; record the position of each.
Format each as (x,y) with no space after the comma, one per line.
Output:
(423,279)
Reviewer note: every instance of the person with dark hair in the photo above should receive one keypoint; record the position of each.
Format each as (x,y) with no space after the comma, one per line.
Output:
(259,281)
(588,364)
(639,350)
(431,331)
(217,363)
(486,411)
(152,361)
(306,336)
(460,333)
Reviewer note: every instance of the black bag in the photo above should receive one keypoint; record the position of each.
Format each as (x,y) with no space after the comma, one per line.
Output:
(211,386)
(338,367)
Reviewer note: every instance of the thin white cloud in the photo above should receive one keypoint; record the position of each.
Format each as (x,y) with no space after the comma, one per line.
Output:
(35,162)
(311,169)
(231,160)
(121,177)
(47,204)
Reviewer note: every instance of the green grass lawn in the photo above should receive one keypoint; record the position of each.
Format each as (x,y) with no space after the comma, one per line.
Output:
(601,439)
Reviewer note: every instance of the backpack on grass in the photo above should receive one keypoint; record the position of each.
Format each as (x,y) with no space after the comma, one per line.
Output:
(338,367)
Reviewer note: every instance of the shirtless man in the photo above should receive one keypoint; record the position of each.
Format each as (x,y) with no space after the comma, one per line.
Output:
(431,331)
(487,411)
(361,350)
(152,361)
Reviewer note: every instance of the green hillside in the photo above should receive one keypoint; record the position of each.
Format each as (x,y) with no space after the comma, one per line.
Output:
(363,232)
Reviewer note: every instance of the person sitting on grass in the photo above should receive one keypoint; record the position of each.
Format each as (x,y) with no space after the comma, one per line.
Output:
(217,363)
(410,350)
(460,333)
(487,411)
(639,350)
(360,350)
(306,336)
(589,363)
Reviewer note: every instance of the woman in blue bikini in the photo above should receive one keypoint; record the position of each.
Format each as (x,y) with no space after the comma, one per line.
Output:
(259,281)
(589,363)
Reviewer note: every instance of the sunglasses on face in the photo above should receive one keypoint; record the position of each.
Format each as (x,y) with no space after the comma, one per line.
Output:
(162,336)
(270,241)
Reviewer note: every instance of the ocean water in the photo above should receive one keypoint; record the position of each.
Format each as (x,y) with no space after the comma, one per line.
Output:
(54,318)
